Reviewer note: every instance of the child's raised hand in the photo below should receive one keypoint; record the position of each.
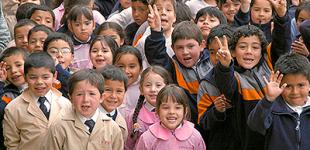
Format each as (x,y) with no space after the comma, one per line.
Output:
(279,6)
(223,53)
(221,103)
(273,86)
(3,72)
(154,18)
(245,5)
(300,48)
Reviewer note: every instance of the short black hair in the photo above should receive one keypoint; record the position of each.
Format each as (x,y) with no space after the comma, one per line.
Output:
(39,60)
(211,11)
(293,63)
(220,31)
(37,28)
(90,75)
(41,8)
(111,72)
(23,10)
(58,36)
(14,51)
(24,22)
(304,5)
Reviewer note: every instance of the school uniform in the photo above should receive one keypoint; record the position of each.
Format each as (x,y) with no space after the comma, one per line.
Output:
(146,118)
(81,58)
(184,137)
(71,133)
(119,119)
(25,125)
(130,98)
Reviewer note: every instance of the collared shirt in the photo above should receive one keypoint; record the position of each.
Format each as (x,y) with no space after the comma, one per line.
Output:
(49,97)
(112,113)
(83,119)
(149,107)
(298,109)
(22,87)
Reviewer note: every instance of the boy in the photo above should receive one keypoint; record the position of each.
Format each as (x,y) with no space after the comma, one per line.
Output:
(85,127)
(282,116)
(229,9)
(115,86)
(42,15)
(28,117)
(11,69)
(36,37)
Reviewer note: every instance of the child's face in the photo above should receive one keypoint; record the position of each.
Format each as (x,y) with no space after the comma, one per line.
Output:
(150,87)
(36,41)
(82,28)
(125,3)
(297,89)
(130,65)
(230,9)
(206,23)
(21,36)
(114,35)
(60,50)
(40,80)
(139,12)
(101,54)
(303,15)
(171,114)
(167,14)
(43,18)
(85,98)
(188,51)
(15,69)
(261,12)
(113,95)
(213,47)
(248,51)
(38,2)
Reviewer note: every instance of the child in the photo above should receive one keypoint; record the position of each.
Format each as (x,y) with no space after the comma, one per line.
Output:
(208,18)
(81,25)
(85,127)
(282,116)
(214,110)
(304,49)
(102,51)
(129,59)
(229,9)
(114,30)
(302,13)
(115,86)
(167,12)
(153,79)
(21,31)
(36,38)
(173,131)
(28,117)
(43,15)
(23,10)
(12,70)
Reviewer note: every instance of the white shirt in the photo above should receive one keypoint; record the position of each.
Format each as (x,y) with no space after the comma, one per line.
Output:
(148,106)
(49,96)
(106,112)
(94,118)
(299,109)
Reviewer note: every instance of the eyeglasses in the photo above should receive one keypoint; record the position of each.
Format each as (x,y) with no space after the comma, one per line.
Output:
(64,50)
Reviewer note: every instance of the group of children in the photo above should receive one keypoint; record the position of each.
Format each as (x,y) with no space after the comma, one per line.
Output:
(235,76)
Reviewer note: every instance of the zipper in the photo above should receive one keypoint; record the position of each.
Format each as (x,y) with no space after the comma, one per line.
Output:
(297,128)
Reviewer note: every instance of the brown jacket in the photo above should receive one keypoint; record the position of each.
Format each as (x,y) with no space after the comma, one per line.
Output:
(25,125)
(120,120)
(71,134)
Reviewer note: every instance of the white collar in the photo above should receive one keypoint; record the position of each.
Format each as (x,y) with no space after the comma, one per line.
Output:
(94,117)
(148,106)
(48,95)
(298,109)
(105,111)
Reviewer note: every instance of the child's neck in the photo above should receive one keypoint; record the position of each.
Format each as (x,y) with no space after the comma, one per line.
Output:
(167,33)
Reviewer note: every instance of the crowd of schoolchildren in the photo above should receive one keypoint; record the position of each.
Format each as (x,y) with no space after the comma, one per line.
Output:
(154,74)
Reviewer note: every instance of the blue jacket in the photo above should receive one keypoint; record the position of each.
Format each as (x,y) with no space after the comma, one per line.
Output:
(283,128)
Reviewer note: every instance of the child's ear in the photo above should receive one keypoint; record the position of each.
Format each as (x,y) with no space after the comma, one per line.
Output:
(233,53)
(203,45)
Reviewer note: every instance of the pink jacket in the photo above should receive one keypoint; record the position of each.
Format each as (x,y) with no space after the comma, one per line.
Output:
(145,119)
(130,99)
(158,137)
(81,57)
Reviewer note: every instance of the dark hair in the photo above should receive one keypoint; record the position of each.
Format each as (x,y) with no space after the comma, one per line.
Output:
(58,36)
(246,31)
(23,10)
(221,2)
(293,63)
(167,80)
(126,49)
(41,8)
(69,4)
(39,60)
(111,72)
(176,94)
(186,30)
(304,5)
(145,2)
(38,28)
(24,22)
(78,10)
(107,40)
(14,51)
(183,13)
(113,26)
(90,75)
(220,31)
(211,11)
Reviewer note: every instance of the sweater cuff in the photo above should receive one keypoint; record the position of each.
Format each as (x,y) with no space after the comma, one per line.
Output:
(219,116)
(265,103)
(282,20)
(225,69)
(156,34)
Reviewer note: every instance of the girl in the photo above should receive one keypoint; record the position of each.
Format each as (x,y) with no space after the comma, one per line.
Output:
(81,25)
(114,30)
(153,79)
(129,59)
(102,51)
(173,131)
(207,18)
